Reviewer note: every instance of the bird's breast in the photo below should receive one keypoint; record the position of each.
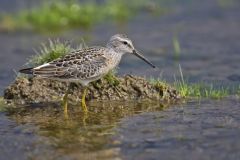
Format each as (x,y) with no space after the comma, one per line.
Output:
(114,59)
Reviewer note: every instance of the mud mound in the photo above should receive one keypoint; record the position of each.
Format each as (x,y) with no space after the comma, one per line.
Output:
(34,90)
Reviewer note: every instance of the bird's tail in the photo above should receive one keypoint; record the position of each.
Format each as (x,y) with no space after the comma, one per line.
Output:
(26,70)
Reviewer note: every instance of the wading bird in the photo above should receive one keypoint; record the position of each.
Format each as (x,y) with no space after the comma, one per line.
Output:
(86,65)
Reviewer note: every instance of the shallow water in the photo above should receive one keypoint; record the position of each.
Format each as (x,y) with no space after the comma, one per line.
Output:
(206,129)
(43,131)
(209,37)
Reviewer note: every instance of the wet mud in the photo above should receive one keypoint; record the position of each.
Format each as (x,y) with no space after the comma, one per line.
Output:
(34,90)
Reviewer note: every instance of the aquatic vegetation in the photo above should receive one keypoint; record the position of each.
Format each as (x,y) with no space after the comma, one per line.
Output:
(193,90)
(199,90)
(176,47)
(57,16)
(119,10)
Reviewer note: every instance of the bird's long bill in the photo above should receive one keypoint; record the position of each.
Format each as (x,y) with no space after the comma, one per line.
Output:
(136,53)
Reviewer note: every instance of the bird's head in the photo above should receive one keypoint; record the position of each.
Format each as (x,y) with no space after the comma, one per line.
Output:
(121,44)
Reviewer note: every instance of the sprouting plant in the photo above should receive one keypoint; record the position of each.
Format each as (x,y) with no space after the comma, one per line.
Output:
(111,78)
(176,47)
(199,90)
(50,51)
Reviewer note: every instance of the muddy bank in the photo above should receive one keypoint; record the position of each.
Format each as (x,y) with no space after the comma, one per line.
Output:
(34,90)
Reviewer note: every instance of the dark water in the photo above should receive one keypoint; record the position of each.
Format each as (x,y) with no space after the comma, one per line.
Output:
(208,33)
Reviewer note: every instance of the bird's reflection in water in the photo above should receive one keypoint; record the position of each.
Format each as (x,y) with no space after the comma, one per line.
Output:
(76,133)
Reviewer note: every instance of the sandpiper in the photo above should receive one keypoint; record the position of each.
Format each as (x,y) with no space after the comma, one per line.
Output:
(86,65)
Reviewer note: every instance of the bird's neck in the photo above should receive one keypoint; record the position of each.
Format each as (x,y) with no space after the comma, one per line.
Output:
(115,51)
(115,56)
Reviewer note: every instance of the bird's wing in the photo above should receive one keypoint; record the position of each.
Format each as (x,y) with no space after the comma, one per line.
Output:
(81,64)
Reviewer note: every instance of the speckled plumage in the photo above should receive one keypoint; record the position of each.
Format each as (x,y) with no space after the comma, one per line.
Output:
(89,64)
(80,65)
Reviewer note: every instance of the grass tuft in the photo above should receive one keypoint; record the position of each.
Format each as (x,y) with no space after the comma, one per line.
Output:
(50,51)
(111,78)
(199,90)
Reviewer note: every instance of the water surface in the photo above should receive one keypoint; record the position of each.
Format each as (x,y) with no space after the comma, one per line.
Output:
(206,129)
(43,131)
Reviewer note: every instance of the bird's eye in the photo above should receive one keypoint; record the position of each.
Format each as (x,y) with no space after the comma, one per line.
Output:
(125,42)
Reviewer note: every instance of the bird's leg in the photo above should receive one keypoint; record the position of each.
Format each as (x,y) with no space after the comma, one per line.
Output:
(65,100)
(84,106)
(65,104)
(84,118)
